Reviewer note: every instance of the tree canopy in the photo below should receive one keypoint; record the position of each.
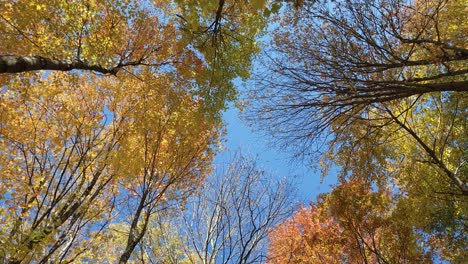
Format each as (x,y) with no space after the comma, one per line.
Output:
(331,62)
(111,118)
(376,89)
(110,112)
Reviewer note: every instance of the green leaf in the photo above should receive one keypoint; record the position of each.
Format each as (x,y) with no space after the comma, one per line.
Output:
(266,12)
(275,8)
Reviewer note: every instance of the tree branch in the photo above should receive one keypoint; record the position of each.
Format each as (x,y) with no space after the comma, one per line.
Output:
(17,64)
(457,181)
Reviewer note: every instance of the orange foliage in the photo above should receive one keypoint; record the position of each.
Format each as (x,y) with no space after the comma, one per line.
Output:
(352,224)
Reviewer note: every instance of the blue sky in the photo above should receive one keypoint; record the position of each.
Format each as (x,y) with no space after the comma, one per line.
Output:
(241,137)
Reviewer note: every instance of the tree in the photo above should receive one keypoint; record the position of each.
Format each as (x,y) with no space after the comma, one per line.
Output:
(126,114)
(100,36)
(229,219)
(332,61)
(161,243)
(424,198)
(383,83)
(419,154)
(110,37)
(352,224)
(66,163)
(170,160)
(55,164)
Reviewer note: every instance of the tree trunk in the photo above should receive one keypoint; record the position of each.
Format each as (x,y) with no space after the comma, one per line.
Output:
(17,64)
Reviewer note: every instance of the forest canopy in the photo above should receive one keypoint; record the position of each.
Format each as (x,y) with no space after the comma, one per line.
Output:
(111,119)
(376,89)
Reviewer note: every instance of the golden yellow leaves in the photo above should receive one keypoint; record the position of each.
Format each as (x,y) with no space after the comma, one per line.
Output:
(72,142)
(66,136)
(166,123)
(96,32)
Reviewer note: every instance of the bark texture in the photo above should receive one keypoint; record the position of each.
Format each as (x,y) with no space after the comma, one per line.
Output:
(17,64)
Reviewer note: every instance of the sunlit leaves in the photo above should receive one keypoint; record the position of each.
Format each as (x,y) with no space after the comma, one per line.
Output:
(77,146)
(68,140)
(417,148)
(55,157)
(383,83)
(352,224)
